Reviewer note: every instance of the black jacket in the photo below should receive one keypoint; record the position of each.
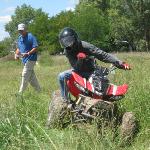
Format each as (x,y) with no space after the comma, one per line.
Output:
(88,65)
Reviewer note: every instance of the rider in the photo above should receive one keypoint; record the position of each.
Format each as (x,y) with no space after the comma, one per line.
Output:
(81,56)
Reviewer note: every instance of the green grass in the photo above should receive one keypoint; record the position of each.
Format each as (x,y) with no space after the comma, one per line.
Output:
(22,125)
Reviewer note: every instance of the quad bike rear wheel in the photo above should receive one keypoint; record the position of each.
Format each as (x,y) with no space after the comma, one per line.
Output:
(129,127)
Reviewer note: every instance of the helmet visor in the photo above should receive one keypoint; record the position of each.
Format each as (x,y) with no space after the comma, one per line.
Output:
(67,41)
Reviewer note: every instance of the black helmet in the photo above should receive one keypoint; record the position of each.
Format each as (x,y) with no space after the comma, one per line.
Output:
(68,37)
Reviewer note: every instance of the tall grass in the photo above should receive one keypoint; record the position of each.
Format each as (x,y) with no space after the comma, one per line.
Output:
(22,124)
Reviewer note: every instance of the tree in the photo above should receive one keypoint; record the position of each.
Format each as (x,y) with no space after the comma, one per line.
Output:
(6,46)
(140,10)
(36,20)
(40,27)
(56,24)
(24,14)
(91,25)
(121,29)
(101,4)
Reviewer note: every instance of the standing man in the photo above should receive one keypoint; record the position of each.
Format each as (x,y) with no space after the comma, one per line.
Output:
(27,49)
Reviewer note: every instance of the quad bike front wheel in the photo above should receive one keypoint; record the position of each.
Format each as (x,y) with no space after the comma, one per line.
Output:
(55,109)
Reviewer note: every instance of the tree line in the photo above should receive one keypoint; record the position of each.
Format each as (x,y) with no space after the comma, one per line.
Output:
(112,25)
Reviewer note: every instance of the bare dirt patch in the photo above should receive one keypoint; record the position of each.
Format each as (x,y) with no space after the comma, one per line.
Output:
(7,58)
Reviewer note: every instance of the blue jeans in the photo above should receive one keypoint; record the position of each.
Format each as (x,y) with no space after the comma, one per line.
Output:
(62,77)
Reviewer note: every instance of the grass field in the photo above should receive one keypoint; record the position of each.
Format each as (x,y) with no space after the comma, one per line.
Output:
(22,125)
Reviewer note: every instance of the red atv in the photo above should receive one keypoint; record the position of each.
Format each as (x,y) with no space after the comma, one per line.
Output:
(87,97)
(92,98)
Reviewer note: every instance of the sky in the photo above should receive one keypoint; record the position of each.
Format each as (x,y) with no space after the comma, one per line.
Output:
(52,7)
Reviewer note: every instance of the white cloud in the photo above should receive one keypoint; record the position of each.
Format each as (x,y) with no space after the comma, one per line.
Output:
(9,10)
(74,1)
(5,19)
(69,9)
(7,1)
(3,35)
(72,4)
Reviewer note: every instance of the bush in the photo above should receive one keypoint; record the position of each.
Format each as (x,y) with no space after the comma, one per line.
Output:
(3,51)
(142,45)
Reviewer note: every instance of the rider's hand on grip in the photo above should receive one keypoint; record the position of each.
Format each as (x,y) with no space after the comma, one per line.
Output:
(125,66)
(81,56)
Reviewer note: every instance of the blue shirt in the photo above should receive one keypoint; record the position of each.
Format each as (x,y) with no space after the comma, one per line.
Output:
(25,44)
